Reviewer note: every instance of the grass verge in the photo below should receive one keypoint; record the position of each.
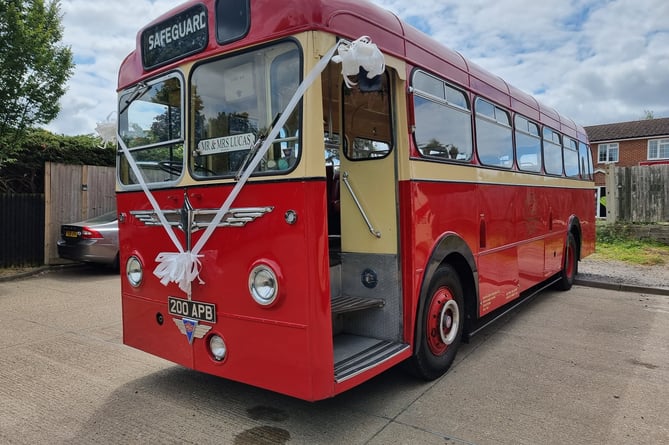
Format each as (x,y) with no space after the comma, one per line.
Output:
(615,243)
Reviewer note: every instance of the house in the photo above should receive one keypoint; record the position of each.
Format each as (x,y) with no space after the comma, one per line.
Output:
(626,144)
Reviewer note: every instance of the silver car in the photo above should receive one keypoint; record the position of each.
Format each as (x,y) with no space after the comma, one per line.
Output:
(94,240)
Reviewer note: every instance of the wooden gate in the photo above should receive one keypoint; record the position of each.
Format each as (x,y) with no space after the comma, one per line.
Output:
(73,193)
(21,229)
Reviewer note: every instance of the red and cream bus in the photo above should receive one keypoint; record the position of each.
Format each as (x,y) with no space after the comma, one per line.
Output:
(312,191)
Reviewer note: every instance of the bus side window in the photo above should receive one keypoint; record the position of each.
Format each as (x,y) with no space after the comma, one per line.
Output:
(442,120)
(494,142)
(552,152)
(528,145)
(586,163)
(571,158)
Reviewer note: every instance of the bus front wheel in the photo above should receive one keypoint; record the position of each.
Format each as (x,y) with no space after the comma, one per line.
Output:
(440,326)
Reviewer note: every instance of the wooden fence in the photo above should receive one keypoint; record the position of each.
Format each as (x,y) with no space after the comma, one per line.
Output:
(73,193)
(21,229)
(638,194)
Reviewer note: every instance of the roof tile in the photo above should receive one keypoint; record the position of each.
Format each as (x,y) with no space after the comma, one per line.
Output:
(628,130)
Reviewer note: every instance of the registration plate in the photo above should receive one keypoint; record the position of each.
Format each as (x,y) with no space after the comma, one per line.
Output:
(71,233)
(195,310)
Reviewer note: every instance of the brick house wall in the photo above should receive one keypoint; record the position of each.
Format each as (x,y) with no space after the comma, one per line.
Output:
(630,153)
(632,139)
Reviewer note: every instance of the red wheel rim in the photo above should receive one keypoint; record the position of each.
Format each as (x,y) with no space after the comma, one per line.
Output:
(443,321)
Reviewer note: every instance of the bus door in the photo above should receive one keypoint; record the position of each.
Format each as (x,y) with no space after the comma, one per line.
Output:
(366,308)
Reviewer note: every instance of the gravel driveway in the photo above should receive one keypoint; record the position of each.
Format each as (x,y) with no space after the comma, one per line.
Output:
(619,272)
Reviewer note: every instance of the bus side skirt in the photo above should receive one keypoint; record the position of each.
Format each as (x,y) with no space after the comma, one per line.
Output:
(477,326)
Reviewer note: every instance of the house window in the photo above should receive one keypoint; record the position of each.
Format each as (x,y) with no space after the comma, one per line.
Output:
(608,153)
(658,149)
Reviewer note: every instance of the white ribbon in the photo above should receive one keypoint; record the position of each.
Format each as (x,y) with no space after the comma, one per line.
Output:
(181,268)
(184,267)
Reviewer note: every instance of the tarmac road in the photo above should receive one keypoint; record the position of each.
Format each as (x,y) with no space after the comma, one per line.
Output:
(589,366)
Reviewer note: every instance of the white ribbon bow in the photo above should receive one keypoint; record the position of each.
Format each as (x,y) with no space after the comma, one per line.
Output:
(181,268)
(359,53)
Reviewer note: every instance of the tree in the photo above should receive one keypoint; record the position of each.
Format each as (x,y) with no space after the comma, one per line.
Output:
(34,69)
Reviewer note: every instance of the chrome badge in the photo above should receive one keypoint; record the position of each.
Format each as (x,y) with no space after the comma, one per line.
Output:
(190,220)
(191,328)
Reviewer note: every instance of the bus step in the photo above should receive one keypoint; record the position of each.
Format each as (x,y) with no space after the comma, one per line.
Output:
(355,354)
(344,304)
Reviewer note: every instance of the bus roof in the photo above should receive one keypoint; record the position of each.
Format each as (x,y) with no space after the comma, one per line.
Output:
(271,19)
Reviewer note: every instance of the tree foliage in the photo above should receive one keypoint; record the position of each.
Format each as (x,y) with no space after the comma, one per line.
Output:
(26,174)
(34,69)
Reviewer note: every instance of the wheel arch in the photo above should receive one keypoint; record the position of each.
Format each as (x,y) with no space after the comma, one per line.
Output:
(451,249)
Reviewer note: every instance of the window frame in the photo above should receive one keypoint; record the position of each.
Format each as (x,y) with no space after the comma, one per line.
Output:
(349,143)
(266,171)
(608,147)
(662,143)
(173,144)
(556,139)
(570,147)
(452,106)
(527,133)
(584,154)
(495,119)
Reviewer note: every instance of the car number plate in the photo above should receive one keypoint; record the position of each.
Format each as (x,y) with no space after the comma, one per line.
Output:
(195,310)
(71,234)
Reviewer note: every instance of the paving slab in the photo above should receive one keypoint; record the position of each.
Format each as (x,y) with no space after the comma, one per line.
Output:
(586,366)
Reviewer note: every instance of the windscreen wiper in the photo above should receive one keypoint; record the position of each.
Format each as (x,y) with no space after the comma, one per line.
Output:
(250,155)
(140,90)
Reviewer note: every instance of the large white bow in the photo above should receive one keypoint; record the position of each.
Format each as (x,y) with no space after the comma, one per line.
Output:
(181,268)
(359,53)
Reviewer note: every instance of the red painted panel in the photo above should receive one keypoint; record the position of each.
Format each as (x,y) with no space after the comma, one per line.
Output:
(292,338)
(525,231)
(142,331)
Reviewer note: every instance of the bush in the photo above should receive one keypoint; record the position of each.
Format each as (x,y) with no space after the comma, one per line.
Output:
(26,173)
(612,233)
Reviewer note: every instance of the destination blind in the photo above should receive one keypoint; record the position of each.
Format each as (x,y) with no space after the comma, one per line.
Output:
(184,34)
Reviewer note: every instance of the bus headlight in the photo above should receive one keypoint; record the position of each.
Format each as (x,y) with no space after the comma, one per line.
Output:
(217,347)
(134,271)
(263,285)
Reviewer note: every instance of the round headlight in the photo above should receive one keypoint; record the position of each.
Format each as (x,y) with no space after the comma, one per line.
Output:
(263,285)
(133,271)
(217,347)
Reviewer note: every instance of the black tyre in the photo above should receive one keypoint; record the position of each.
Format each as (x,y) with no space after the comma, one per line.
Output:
(569,266)
(439,327)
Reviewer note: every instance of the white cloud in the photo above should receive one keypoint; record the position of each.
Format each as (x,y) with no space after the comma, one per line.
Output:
(100,34)
(596,61)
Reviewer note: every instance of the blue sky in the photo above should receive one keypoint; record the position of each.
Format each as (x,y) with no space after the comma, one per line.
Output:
(597,61)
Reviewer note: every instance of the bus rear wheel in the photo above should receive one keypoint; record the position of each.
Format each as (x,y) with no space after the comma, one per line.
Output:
(440,326)
(570,265)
